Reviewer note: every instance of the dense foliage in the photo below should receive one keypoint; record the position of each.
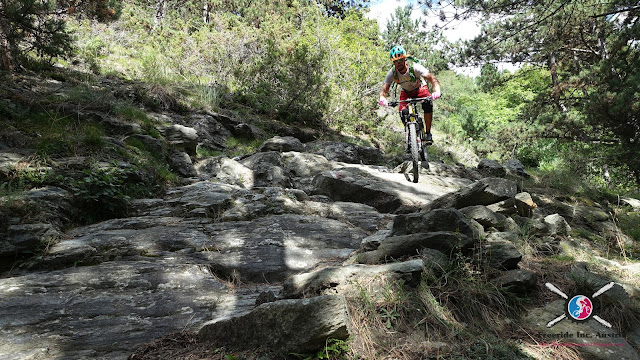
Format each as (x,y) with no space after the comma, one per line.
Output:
(590,50)
(572,106)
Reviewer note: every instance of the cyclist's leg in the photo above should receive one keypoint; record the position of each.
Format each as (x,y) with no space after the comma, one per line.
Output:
(428,110)
(402,107)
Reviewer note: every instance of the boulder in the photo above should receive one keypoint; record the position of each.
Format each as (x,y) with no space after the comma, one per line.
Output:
(267,169)
(499,251)
(484,216)
(504,207)
(631,202)
(265,249)
(486,191)
(450,220)
(28,238)
(372,242)
(371,187)
(514,167)
(212,133)
(180,162)
(517,281)
(557,225)
(347,153)
(396,247)
(226,170)
(282,144)
(337,279)
(285,326)
(491,168)
(182,137)
(524,204)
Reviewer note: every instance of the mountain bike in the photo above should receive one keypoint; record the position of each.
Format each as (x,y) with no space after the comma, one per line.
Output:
(415,136)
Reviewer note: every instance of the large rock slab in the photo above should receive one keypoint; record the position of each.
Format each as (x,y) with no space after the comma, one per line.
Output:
(104,311)
(450,220)
(339,278)
(286,326)
(347,153)
(396,247)
(270,248)
(387,192)
(275,247)
(486,191)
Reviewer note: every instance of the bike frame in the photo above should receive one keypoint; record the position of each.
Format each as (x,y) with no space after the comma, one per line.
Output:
(414,134)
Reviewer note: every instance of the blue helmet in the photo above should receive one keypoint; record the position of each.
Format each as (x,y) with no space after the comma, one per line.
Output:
(397,52)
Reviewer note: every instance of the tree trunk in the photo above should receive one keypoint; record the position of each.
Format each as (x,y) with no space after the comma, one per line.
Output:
(161,11)
(206,9)
(553,68)
(6,60)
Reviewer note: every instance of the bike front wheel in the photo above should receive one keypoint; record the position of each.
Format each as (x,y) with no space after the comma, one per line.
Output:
(415,150)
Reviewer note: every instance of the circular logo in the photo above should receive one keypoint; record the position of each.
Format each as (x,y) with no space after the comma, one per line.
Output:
(580,307)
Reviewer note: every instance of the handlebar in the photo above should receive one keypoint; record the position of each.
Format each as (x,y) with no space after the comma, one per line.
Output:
(410,100)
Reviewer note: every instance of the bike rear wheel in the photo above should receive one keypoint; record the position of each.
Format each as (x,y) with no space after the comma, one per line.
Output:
(415,150)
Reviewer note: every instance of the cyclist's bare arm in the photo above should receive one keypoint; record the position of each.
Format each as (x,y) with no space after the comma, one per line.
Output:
(435,84)
(384,91)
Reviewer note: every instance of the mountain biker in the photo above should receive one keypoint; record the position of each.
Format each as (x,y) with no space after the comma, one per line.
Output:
(410,78)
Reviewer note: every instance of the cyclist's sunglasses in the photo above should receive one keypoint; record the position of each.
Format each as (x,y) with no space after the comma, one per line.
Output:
(398,61)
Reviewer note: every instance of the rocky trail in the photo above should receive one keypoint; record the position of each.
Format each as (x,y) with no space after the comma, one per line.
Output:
(292,223)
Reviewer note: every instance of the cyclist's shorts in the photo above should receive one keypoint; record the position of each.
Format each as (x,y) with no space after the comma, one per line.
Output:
(423,91)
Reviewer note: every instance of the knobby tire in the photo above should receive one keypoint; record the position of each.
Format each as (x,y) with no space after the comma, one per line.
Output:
(415,152)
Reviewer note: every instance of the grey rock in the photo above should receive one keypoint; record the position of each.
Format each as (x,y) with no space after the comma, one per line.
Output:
(586,279)
(338,279)
(183,137)
(524,204)
(557,225)
(286,326)
(29,237)
(553,206)
(106,310)
(455,171)
(151,144)
(269,248)
(589,215)
(450,220)
(265,297)
(484,216)
(486,191)
(213,129)
(491,168)
(347,153)
(434,260)
(631,202)
(225,170)
(268,169)
(282,144)
(9,160)
(372,242)
(499,251)
(478,230)
(396,247)
(514,167)
(181,163)
(212,198)
(372,187)
(504,207)
(517,281)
